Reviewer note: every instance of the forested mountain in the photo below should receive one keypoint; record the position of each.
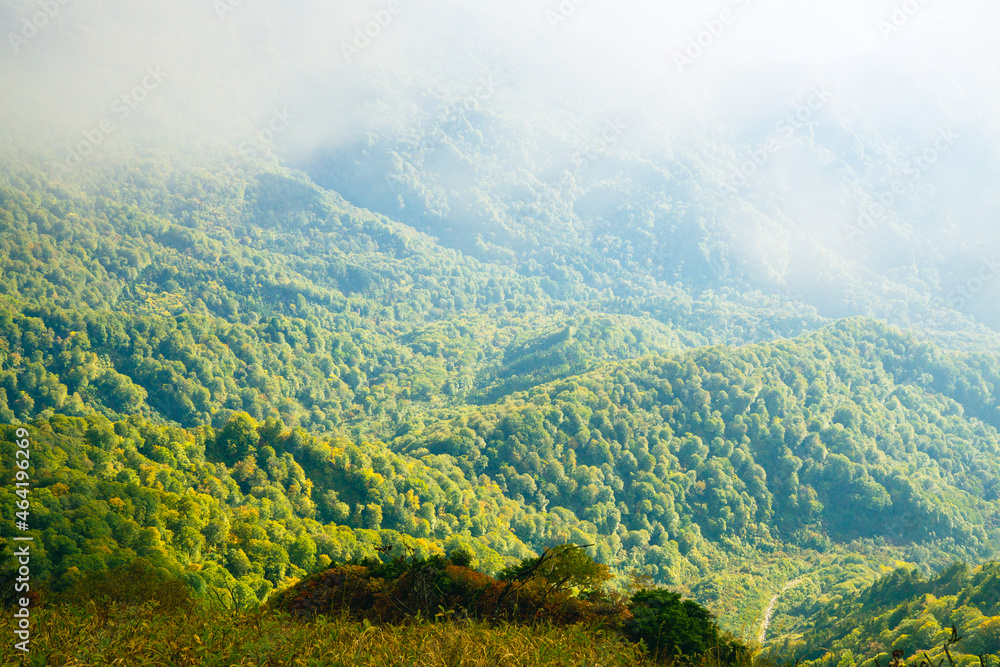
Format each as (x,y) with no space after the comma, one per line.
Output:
(458,310)
(297,278)
(902,611)
(250,396)
(593,193)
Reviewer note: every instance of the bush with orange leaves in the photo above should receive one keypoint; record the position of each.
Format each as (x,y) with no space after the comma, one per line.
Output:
(563,586)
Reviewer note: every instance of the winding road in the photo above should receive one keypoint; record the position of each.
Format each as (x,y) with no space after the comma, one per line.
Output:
(770,610)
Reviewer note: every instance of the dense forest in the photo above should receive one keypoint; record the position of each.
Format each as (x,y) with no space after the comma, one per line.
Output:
(499,334)
(958,609)
(249,384)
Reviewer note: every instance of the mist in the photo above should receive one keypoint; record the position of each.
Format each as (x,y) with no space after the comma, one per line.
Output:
(830,144)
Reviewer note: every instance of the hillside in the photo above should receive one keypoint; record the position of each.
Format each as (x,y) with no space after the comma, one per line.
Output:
(584,190)
(302,301)
(287,290)
(321,382)
(902,611)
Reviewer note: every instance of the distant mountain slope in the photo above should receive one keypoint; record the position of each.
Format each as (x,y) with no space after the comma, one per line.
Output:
(856,432)
(695,468)
(833,211)
(902,611)
(279,298)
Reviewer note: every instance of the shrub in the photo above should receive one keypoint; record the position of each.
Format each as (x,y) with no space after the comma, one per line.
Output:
(562,567)
(672,628)
(536,591)
(133,585)
(461,557)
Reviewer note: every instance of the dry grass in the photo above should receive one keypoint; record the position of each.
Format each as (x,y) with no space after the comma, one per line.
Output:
(88,635)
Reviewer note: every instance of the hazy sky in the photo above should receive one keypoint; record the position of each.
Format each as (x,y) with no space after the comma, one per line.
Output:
(230,57)
(685,76)
(224,70)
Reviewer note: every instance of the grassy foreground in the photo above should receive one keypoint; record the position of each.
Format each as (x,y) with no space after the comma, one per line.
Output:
(204,636)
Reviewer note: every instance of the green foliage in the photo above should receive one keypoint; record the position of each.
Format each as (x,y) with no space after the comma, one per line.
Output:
(461,558)
(906,613)
(306,308)
(438,587)
(108,493)
(673,628)
(562,567)
(532,592)
(130,585)
(250,384)
(238,438)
